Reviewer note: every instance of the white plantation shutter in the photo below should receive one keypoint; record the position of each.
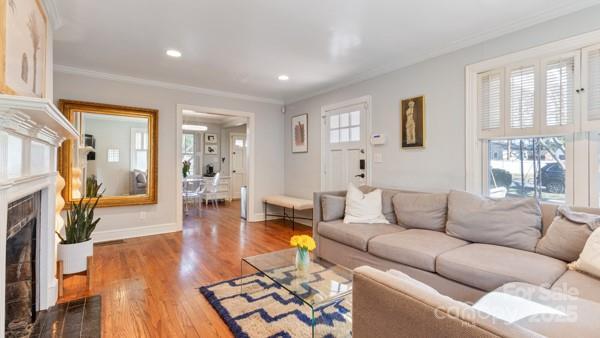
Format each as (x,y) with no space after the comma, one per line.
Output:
(489,103)
(521,100)
(591,88)
(559,101)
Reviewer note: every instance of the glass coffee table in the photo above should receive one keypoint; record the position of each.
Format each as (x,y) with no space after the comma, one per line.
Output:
(326,288)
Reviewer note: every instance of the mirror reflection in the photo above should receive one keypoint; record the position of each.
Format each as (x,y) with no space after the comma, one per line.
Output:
(113,152)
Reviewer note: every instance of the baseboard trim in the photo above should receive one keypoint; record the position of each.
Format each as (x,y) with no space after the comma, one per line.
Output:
(260,217)
(141,231)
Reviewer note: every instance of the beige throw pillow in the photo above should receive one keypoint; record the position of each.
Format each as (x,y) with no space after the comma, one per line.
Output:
(567,234)
(421,210)
(589,260)
(511,222)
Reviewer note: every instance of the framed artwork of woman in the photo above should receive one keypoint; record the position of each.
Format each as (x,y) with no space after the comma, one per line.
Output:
(412,122)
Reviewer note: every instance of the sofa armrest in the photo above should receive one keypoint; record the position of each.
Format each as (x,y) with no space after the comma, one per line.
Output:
(385,306)
(318,213)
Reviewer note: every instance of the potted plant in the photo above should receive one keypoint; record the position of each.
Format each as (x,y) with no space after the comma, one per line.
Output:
(186,168)
(77,244)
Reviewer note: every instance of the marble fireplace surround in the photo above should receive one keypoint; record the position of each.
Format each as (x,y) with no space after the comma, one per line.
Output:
(31,130)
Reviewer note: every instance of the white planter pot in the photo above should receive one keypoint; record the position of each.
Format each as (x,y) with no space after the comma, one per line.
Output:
(74,256)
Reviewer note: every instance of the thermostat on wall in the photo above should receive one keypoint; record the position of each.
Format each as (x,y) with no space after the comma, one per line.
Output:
(377,139)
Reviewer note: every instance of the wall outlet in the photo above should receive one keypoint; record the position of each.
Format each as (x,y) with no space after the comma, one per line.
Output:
(142,215)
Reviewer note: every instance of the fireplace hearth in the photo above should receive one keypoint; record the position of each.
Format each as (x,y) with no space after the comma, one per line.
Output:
(21,289)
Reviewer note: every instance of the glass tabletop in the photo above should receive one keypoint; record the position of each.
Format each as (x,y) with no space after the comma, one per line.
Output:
(323,283)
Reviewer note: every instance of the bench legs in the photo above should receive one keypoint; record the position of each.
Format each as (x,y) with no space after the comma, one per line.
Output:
(285,215)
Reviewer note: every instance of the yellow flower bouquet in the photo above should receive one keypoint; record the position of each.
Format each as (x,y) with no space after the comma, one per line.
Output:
(304,244)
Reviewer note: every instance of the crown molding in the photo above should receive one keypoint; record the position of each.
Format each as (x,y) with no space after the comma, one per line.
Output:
(495,32)
(161,84)
(53,13)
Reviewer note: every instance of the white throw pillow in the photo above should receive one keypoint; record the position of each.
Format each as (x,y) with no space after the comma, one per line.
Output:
(363,208)
(589,260)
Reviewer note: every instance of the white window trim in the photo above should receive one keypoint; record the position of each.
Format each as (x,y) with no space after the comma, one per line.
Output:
(474,175)
(587,125)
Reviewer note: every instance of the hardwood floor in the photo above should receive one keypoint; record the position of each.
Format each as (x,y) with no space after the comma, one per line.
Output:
(149,284)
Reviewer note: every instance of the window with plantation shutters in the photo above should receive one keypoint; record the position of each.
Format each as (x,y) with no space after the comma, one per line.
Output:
(490,103)
(521,98)
(558,92)
(591,88)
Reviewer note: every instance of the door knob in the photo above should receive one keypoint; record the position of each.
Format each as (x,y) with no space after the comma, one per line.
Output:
(361,175)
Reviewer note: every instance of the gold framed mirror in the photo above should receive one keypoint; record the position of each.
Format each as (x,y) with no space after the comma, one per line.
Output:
(118,148)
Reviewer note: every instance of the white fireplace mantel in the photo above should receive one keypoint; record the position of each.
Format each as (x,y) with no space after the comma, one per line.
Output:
(31,130)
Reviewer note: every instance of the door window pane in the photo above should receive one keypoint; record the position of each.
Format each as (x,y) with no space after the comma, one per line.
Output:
(344,120)
(344,135)
(355,134)
(334,122)
(533,167)
(355,118)
(334,136)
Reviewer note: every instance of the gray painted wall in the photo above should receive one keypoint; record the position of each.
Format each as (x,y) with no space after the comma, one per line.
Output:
(269,162)
(441,165)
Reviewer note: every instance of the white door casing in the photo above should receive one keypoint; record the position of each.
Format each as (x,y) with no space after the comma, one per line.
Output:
(344,146)
(237,163)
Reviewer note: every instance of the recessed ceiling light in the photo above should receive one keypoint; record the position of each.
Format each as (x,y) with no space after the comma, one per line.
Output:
(174,53)
(283,77)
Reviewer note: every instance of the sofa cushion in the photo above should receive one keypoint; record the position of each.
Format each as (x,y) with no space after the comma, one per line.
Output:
(487,267)
(512,222)
(567,234)
(356,235)
(332,207)
(421,210)
(578,284)
(415,247)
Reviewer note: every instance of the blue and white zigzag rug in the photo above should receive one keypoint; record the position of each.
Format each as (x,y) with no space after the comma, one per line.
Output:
(263,309)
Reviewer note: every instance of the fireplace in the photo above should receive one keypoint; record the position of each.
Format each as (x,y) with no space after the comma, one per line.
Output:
(22,295)
(31,130)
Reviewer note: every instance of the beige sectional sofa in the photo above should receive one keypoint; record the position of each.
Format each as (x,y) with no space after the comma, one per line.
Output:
(457,268)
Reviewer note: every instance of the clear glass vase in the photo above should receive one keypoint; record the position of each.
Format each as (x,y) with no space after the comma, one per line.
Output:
(302,260)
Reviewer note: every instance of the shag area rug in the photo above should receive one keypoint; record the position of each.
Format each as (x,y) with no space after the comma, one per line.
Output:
(255,306)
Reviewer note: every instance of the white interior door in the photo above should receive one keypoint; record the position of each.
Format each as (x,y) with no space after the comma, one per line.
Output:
(344,147)
(237,163)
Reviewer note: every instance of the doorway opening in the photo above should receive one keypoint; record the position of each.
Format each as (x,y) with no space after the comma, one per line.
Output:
(215,160)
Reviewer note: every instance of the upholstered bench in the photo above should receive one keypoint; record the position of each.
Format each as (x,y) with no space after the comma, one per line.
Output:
(287,202)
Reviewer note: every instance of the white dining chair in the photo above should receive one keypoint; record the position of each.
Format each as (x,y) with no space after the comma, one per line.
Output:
(193,190)
(212,190)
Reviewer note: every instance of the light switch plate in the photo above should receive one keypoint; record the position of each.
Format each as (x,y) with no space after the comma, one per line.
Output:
(377,157)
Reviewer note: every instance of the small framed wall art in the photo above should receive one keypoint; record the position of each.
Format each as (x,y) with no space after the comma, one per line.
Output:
(300,133)
(210,138)
(211,149)
(412,125)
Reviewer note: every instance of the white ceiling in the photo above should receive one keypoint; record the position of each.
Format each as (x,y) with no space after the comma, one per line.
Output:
(241,46)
